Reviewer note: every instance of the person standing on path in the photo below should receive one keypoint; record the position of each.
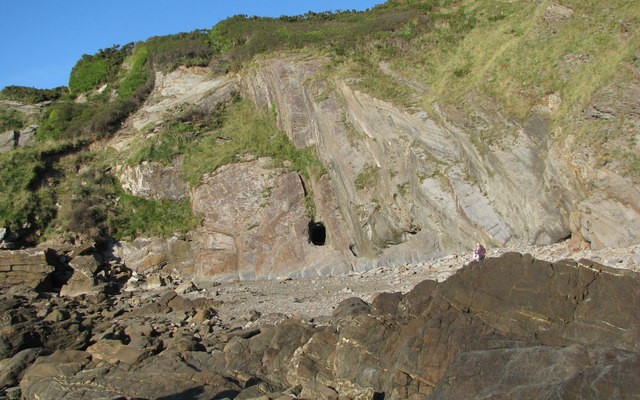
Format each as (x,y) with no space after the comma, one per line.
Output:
(479,253)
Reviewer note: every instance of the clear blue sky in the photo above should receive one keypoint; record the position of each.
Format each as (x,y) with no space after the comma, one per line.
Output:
(41,40)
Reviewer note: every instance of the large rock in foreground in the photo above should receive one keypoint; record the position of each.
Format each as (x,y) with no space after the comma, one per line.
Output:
(510,327)
(507,327)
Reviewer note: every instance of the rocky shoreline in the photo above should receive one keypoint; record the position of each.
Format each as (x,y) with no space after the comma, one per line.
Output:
(299,338)
(312,297)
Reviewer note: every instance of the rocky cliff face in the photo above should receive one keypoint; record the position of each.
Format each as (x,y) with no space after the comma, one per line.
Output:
(402,184)
(431,177)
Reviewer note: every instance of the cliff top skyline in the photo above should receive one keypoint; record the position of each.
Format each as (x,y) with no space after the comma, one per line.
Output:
(43,40)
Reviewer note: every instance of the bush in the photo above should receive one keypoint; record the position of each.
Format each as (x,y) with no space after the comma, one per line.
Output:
(179,135)
(94,70)
(86,193)
(246,130)
(85,219)
(62,121)
(188,49)
(11,119)
(239,38)
(88,73)
(69,120)
(137,76)
(25,205)
(30,95)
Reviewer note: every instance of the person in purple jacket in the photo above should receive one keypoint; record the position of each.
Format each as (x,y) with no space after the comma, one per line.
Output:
(479,253)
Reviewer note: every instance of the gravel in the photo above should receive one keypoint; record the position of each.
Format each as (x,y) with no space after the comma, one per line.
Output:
(312,298)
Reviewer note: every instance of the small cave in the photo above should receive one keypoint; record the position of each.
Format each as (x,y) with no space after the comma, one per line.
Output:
(317,233)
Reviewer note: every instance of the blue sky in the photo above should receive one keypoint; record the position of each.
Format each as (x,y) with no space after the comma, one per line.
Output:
(41,40)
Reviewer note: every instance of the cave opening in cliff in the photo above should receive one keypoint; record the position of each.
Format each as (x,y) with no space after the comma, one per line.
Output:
(317,233)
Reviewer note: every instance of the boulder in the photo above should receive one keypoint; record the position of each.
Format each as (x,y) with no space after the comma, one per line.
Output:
(351,307)
(11,369)
(28,267)
(152,180)
(8,140)
(39,376)
(542,372)
(27,136)
(115,352)
(75,376)
(83,279)
(546,327)
(508,327)
(150,256)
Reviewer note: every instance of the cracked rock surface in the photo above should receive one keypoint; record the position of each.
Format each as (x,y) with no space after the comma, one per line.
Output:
(538,323)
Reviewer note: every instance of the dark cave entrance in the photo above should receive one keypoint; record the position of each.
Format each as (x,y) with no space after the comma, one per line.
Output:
(317,233)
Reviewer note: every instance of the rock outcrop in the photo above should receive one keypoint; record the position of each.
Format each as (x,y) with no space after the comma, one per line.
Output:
(254,227)
(154,181)
(28,267)
(511,326)
(432,175)
(12,139)
(402,185)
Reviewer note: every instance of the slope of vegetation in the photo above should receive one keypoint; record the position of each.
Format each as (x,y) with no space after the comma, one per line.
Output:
(29,95)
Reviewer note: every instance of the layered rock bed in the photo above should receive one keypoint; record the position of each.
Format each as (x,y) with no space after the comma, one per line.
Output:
(534,323)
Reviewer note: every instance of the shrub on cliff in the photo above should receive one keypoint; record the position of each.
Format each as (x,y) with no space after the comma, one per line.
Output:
(138,74)
(93,70)
(30,95)
(11,119)
(187,49)
(26,204)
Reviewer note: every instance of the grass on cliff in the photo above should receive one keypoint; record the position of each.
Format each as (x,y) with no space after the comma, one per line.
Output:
(94,205)
(471,56)
(28,201)
(234,132)
(248,131)
(150,218)
(510,57)
(514,53)
(238,129)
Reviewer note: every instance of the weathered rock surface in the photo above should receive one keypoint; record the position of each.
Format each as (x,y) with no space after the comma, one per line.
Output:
(12,139)
(153,255)
(7,141)
(83,279)
(423,156)
(435,181)
(509,326)
(151,180)
(254,227)
(28,267)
